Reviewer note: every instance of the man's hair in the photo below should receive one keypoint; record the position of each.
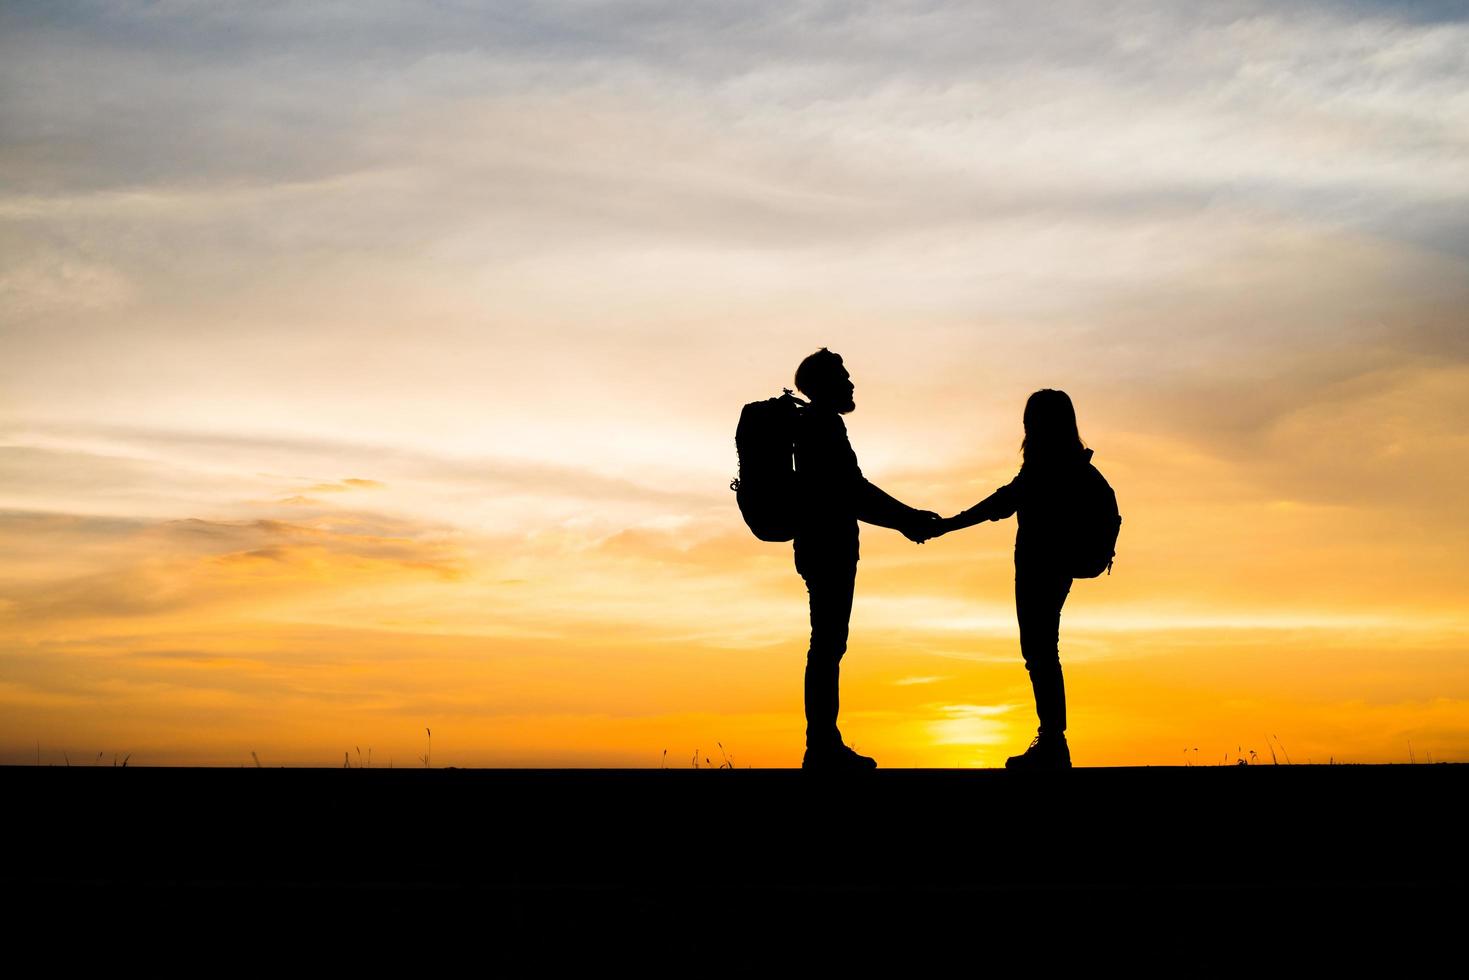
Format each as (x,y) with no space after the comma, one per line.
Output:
(814,368)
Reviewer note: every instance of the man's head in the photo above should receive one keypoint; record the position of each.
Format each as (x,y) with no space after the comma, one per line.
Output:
(822,379)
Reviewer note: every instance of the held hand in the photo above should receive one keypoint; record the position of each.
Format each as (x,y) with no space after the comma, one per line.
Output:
(925,524)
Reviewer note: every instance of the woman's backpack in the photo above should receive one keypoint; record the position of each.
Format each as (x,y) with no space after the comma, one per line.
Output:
(1093,539)
(766,487)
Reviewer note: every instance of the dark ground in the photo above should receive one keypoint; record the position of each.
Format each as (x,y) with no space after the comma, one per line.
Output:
(1216,855)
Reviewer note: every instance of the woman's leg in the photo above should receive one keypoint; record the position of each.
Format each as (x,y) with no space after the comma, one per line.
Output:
(1039,596)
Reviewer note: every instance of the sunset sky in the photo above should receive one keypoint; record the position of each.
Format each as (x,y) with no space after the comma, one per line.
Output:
(371,367)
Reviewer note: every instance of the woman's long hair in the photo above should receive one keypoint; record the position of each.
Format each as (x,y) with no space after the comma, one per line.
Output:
(1050,428)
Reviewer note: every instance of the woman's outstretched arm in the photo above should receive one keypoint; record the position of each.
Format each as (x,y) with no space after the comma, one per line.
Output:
(996,507)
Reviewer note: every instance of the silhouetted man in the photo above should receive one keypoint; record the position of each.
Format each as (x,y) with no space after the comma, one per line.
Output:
(834,497)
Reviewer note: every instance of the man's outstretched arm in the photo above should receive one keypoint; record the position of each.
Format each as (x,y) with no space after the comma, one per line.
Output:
(877,506)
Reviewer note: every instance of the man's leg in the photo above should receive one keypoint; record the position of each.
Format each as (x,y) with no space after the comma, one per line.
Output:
(830,589)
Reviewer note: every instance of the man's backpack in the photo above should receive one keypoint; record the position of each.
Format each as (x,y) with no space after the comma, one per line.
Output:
(766,487)
(1094,535)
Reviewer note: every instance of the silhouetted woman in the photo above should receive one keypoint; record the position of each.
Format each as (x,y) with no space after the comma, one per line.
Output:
(1042,496)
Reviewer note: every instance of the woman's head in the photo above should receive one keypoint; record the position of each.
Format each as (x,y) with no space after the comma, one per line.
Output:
(1050,427)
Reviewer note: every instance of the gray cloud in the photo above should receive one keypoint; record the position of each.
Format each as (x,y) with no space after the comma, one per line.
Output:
(204,96)
(394,127)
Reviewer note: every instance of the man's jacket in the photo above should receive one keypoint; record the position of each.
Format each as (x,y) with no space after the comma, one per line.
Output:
(834,495)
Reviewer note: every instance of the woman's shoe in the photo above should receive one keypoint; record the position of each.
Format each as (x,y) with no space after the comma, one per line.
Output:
(1046,752)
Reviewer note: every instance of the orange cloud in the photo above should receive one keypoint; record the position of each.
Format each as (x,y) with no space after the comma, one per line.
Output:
(343,486)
